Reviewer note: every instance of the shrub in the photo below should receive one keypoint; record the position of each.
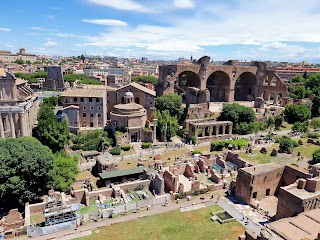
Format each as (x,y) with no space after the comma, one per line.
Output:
(115,151)
(316,157)
(126,147)
(196,151)
(313,135)
(287,144)
(193,140)
(181,195)
(300,126)
(145,145)
(139,187)
(218,145)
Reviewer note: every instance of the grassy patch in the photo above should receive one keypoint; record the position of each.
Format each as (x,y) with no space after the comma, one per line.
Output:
(37,218)
(172,225)
(180,152)
(91,208)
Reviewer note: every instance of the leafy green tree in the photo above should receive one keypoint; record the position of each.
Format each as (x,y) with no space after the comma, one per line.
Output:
(19,61)
(166,124)
(316,157)
(270,122)
(92,140)
(297,113)
(315,123)
(313,81)
(287,144)
(53,101)
(25,166)
(170,102)
(278,120)
(300,127)
(297,79)
(82,57)
(65,168)
(237,114)
(74,77)
(91,82)
(315,109)
(145,79)
(49,131)
(299,92)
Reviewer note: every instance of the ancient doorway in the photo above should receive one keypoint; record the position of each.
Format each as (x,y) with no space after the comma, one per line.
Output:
(218,84)
(245,87)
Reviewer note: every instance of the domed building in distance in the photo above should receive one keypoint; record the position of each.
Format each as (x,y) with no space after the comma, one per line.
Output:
(130,118)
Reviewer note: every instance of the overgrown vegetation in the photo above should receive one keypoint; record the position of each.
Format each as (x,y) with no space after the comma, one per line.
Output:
(92,140)
(286,144)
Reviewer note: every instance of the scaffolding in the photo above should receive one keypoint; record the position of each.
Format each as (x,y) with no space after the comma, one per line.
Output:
(58,216)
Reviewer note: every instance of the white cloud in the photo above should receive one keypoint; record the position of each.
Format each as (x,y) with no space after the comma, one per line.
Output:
(51,43)
(44,29)
(214,24)
(129,5)
(66,35)
(8,45)
(107,22)
(5,29)
(51,17)
(184,3)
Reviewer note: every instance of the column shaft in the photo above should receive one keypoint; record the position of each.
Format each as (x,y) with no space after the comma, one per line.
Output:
(1,127)
(12,128)
(22,125)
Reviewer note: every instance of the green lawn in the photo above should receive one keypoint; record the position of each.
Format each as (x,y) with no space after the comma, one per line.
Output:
(306,151)
(37,218)
(91,208)
(172,225)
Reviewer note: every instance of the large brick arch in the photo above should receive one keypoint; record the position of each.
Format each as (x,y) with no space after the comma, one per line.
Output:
(245,87)
(218,83)
(203,70)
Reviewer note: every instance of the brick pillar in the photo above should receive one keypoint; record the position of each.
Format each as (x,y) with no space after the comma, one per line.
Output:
(217,130)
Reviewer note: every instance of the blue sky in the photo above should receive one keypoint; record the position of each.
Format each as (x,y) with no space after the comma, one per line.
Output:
(283,30)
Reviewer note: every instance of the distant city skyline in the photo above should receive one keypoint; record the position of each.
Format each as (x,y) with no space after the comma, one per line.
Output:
(167,29)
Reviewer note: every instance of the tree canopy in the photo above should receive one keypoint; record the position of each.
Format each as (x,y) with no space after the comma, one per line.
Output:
(170,102)
(65,167)
(49,131)
(166,124)
(297,113)
(25,166)
(237,113)
(313,81)
(297,79)
(298,92)
(316,157)
(315,109)
(145,79)
(74,77)
(92,140)
(287,144)
(31,77)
